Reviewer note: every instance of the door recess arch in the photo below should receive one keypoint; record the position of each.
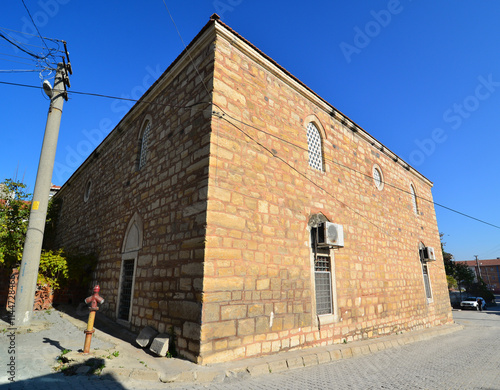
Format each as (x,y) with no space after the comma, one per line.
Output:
(132,243)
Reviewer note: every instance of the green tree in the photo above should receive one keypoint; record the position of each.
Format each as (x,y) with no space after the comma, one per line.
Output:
(458,274)
(463,275)
(14,214)
(57,267)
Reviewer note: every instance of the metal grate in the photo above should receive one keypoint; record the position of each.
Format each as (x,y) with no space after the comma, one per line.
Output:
(314,147)
(322,264)
(377,177)
(323,292)
(126,289)
(144,145)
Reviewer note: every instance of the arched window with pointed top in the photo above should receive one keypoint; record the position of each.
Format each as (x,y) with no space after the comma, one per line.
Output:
(143,154)
(314,147)
(132,244)
(414,199)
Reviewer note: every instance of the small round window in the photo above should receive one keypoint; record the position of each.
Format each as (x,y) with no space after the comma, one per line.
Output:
(378,178)
(88,190)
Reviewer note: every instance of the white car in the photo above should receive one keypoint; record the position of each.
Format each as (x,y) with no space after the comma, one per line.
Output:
(471,303)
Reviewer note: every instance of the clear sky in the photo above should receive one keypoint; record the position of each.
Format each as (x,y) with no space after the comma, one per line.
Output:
(421,76)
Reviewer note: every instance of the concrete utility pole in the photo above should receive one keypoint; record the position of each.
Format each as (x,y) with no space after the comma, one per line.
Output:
(478,269)
(36,225)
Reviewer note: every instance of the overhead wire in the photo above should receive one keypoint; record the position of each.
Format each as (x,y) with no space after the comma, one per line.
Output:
(490,252)
(21,70)
(32,35)
(185,48)
(56,41)
(18,62)
(36,27)
(304,175)
(356,171)
(43,61)
(12,55)
(256,128)
(34,55)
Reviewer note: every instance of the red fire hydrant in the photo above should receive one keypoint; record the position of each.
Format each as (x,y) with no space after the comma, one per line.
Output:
(93,300)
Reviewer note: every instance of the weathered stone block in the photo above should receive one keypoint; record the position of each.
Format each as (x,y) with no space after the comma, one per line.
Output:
(216,330)
(160,344)
(145,337)
(191,330)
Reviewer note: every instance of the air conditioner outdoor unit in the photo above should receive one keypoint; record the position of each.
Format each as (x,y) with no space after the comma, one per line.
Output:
(428,254)
(331,234)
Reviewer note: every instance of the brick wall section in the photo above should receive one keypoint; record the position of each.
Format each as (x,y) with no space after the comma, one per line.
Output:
(258,276)
(168,193)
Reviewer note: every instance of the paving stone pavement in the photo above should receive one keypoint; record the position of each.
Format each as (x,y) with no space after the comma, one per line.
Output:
(468,359)
(464,359)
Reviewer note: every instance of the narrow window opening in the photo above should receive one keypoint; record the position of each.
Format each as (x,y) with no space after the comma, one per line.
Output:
(322,275)
(414,199)
(378,177)
(314,147)
(425,274)
(88,190)
(126,289)
(144,145)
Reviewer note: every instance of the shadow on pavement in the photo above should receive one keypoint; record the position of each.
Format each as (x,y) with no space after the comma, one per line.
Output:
(102,323)
(55,343)
(73,376)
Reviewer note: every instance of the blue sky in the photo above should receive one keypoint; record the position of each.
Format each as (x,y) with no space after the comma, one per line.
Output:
(422,77)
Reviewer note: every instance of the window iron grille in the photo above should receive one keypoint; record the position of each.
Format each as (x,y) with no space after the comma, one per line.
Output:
(126,289)
(314,147)
(144,146)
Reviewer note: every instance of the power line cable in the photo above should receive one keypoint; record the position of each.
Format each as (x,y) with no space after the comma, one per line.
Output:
(185,48)
(305,177)
(17,62)
(249,125)
(112,97)
(32,35)
(21,70)
(36,27)
(21,48)
(359,172)
(32,45)
(12,55)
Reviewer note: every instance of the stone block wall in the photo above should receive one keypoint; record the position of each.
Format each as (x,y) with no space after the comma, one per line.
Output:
(259,283)
(168,194)
(224,203)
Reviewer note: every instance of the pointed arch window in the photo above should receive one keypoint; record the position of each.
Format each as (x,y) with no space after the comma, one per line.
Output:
(314,147)
(132,244)
(144,144)
(414,199)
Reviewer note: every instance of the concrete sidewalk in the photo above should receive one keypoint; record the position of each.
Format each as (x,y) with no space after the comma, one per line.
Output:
(115,355)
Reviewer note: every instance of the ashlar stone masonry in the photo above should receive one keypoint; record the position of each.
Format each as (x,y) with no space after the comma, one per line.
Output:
(203,204)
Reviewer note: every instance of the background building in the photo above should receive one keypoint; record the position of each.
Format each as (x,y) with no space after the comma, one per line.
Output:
(237,209)
(489,270)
